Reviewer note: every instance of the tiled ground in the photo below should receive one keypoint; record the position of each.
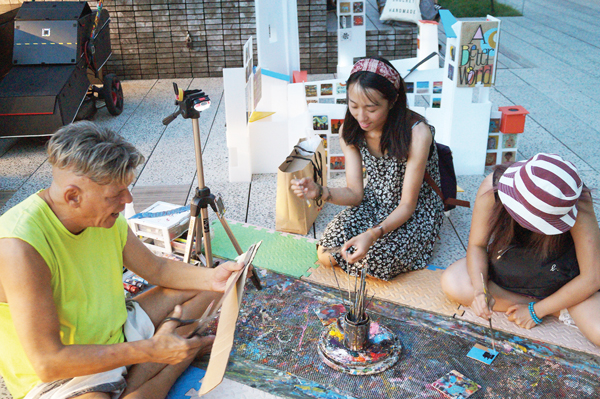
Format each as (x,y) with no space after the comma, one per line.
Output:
(548,65)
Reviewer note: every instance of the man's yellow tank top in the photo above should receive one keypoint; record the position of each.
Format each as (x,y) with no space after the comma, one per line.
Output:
(86,283)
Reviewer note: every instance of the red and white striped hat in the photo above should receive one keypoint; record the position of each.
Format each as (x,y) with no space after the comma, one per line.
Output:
(541,193)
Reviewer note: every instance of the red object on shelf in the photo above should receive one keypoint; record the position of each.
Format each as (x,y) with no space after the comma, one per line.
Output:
(513,119)
(299,76)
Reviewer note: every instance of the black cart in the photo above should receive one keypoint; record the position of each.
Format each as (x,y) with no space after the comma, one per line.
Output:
(58,50)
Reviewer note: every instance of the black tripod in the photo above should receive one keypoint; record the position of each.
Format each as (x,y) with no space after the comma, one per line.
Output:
(191,103)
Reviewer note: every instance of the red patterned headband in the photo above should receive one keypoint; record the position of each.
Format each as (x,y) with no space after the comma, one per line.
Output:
(378,67)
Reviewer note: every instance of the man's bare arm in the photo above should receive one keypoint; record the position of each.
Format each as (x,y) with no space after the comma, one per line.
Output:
(172,274)
(25,280)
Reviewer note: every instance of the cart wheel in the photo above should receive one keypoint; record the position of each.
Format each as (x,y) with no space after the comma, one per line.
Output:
(112,92)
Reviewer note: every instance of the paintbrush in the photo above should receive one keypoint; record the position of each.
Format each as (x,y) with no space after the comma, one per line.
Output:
(487,302)
(336,279)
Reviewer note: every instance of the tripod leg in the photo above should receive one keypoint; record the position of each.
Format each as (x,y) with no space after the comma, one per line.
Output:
(206,237)
(234,241)
(190,240)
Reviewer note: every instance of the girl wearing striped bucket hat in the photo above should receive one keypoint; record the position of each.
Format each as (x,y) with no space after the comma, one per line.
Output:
(534,247)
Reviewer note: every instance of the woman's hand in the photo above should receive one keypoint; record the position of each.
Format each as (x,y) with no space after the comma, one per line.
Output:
(222,273)
(519,314)
(171,348)
(305,187)
(361,244)
(480,307)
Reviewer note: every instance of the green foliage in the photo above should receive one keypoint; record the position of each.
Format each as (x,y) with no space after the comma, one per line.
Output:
(478,8)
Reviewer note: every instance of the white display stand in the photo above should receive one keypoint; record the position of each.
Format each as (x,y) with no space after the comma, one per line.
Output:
(352,33)
(278,44)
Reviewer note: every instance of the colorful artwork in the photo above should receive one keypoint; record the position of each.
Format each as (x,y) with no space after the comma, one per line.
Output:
(358,20)
(335,125)
(509,141)
(422,87)
(482,354)
(509,156)
(477,53)
(494,125)
(437,87)
(320,122)
(492,143)
(341,101)
(344,8)
(450,72)
(330,314)
(437,102)
(454,385)
(324,138)
(345,22)
(326,100)
(340,87)
(326,89)
(310,90)
(490,159)
(452,53)
(337,163)
(312,101)
(358,7)
(410,87)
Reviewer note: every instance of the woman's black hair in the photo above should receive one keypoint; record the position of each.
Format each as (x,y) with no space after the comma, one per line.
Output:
(397,134)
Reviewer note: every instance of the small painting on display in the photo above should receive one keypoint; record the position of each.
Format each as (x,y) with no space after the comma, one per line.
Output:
(509,156)
(358,20)
(345,22)
(437,102)
(335,125)
(320,122)
(410,87)
(345,8)
(310,90)
(492,143)
(341,101)
(326,89)
(450,72)
(490,159)
(326,101)
(422,87)
(324,137)
(509,141)
(494,125)
(337,163)
(437,87)
(358,7)
(340,87)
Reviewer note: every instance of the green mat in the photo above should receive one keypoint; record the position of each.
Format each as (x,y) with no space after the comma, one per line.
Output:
(286,254)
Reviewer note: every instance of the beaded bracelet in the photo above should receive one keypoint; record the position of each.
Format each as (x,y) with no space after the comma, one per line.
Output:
(536,319)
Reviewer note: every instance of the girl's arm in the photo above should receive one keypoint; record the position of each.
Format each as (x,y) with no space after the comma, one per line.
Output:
(586,236)
(477,256)
(413,179)
(351,195)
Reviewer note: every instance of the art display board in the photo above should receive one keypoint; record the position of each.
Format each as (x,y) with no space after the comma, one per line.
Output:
(278,44)
(326,121)
(352,32)
(477,52)
(501,147)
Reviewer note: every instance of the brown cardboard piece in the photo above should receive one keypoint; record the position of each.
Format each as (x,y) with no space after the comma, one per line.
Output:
(219,356)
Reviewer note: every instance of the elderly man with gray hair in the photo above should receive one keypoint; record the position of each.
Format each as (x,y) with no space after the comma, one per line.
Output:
(66,329)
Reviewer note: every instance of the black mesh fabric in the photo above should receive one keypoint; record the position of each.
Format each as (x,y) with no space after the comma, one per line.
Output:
(278,328)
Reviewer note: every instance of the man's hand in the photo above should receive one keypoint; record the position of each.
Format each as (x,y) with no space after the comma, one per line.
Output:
(519,314)
(222,273)
(171,348)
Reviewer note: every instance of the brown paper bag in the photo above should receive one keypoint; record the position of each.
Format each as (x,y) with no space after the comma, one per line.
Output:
(292,213)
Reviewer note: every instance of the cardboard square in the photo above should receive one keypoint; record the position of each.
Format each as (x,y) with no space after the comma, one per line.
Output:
(482,354)
(454,385)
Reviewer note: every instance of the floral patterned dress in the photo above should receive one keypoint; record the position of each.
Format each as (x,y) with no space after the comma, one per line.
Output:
(407,248)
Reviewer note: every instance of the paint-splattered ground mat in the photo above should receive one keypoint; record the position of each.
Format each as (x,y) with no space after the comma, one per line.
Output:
(278,331)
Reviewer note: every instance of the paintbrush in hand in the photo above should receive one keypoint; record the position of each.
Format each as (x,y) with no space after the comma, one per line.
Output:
(487,302)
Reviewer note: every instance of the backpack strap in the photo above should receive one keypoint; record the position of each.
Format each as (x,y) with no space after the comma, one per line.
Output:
(446,201)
